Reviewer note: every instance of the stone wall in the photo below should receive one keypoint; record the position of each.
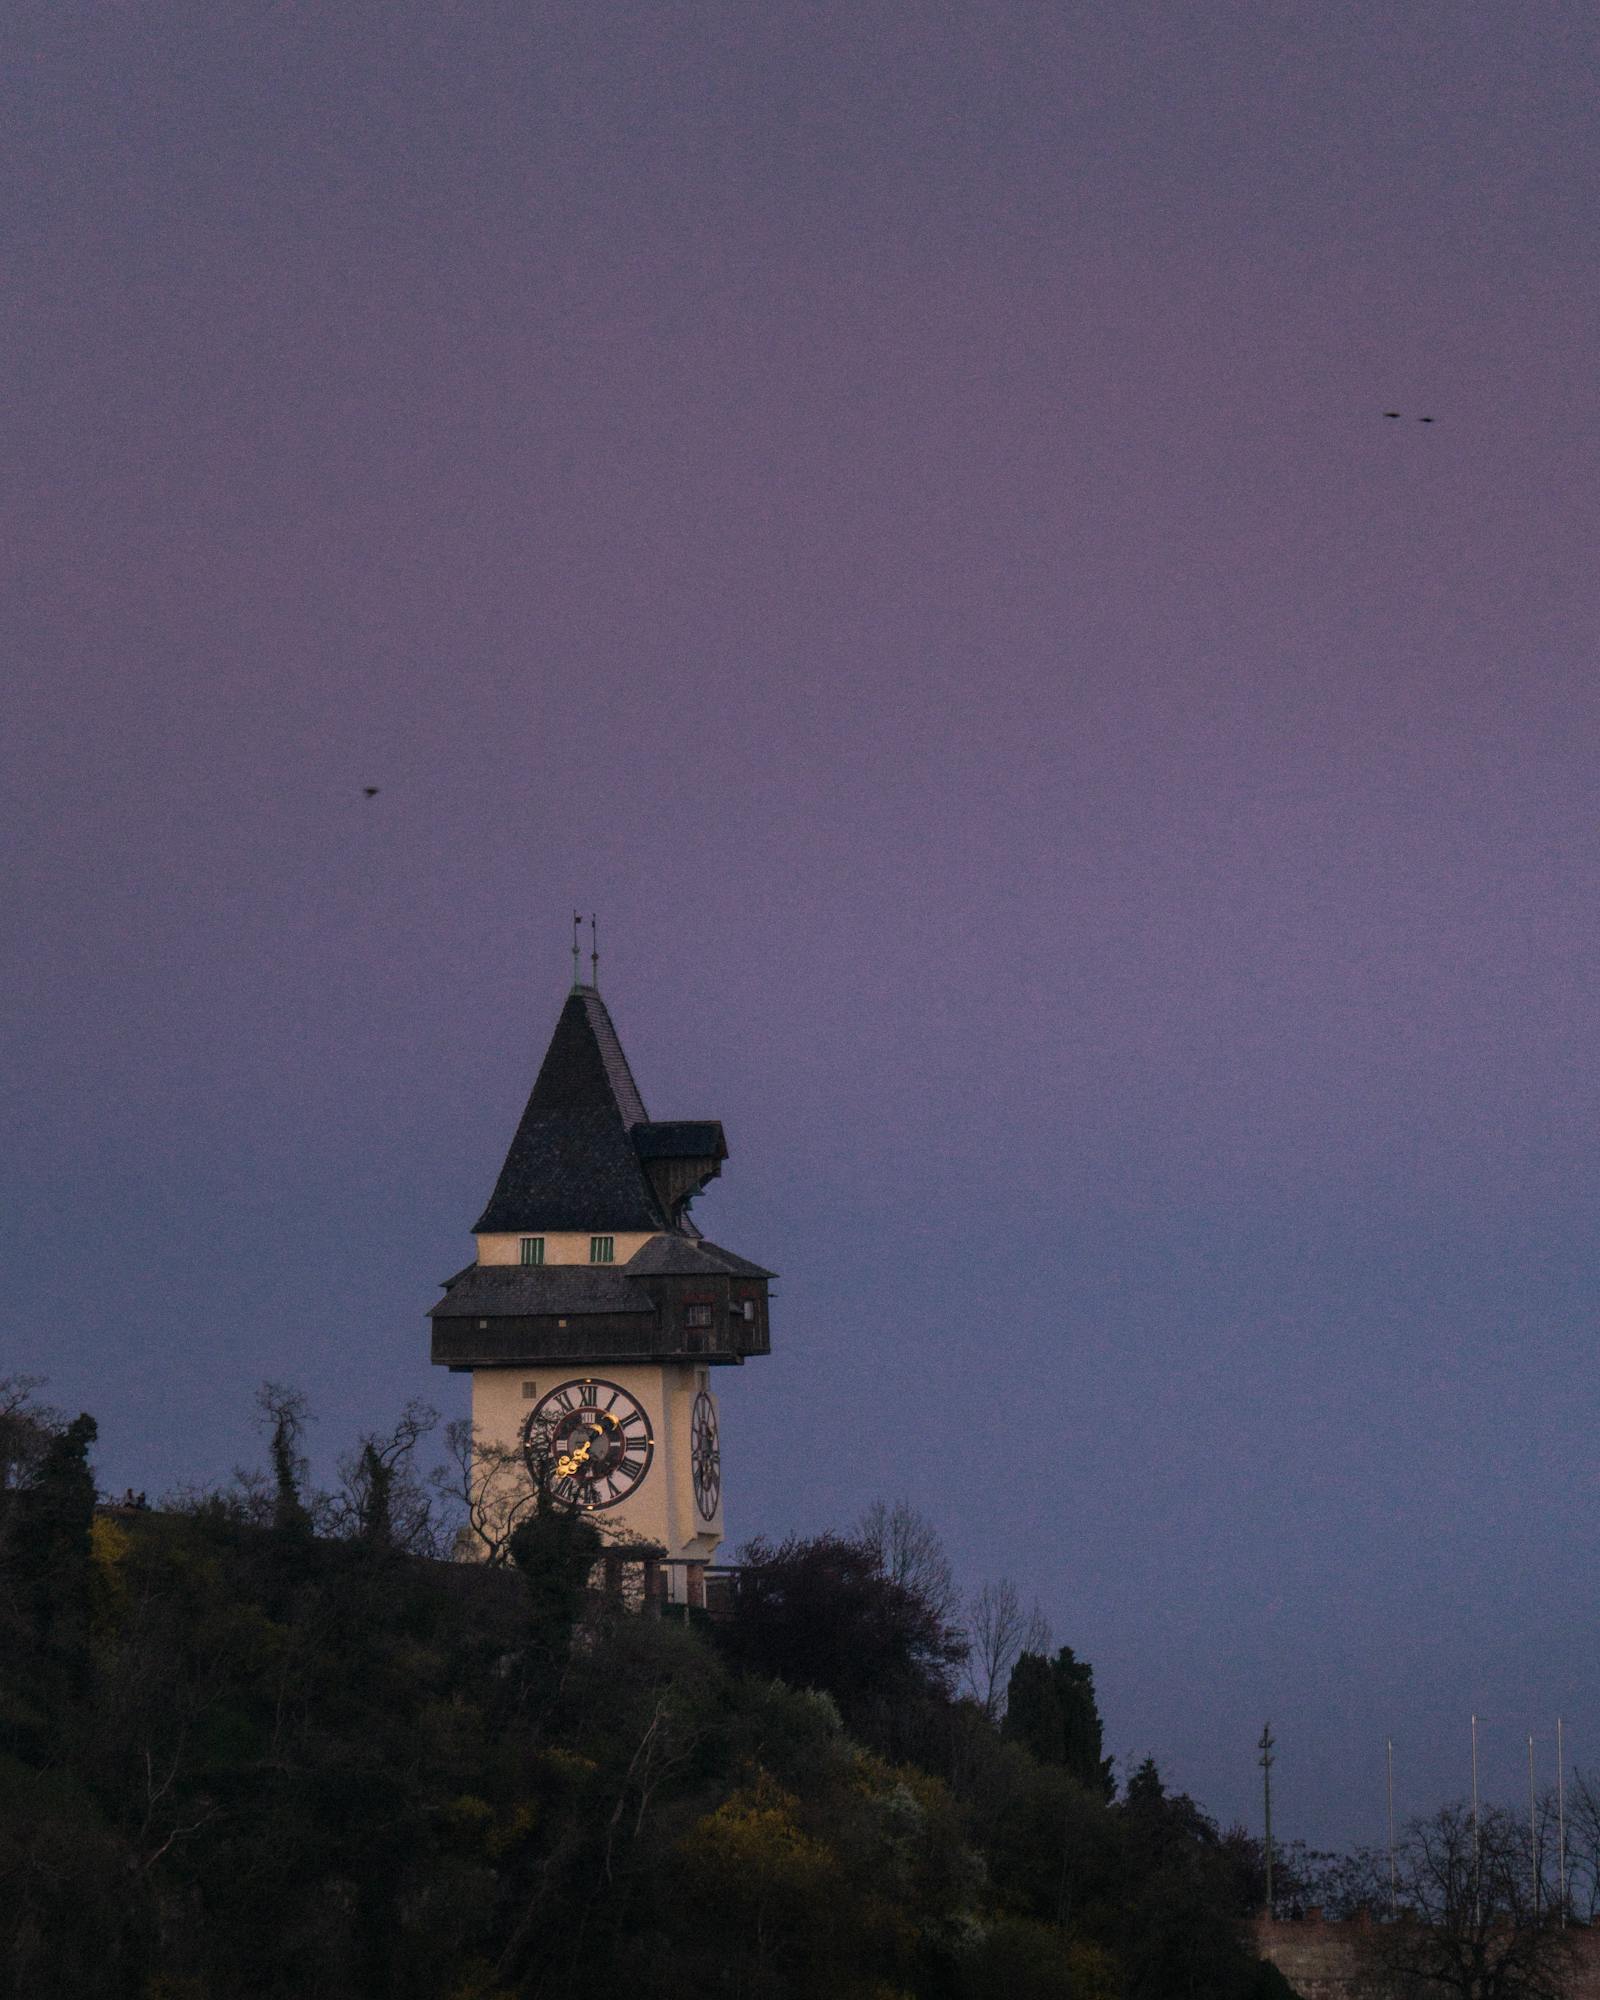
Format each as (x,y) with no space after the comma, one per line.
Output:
(1320,1961)
(1324,1961)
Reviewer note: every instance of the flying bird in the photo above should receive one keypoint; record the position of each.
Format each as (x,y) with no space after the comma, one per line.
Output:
(1391,413)
(369,791)
(1424,420)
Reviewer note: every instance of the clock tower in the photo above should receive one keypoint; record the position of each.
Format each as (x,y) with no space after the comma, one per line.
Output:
(595,1314)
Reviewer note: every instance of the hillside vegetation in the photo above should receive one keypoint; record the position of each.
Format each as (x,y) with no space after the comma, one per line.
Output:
(242,1759)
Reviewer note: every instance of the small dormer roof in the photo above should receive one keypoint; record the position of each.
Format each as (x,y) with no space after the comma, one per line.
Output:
(681,1139)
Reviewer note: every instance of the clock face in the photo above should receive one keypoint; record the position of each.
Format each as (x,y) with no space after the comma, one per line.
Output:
(590,1442)
(705,1456)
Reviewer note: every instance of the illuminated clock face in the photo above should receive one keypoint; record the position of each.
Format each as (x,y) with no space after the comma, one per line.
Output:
(589,1441)
(705,1456)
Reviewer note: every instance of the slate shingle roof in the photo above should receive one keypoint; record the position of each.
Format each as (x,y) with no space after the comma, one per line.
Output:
(529,1291)
(573,1163)
(683,1257)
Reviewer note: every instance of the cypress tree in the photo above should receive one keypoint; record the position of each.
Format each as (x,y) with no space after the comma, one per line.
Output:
(1033,1709)
(55,1513)
(1051,1711)
(377,1518)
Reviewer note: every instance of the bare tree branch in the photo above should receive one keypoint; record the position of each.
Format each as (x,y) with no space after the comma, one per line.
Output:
(995,1626)
(909,1552)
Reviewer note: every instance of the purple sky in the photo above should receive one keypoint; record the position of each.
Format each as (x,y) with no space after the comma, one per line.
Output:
(890,506)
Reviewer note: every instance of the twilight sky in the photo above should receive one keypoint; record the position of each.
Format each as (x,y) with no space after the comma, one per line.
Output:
(889,504)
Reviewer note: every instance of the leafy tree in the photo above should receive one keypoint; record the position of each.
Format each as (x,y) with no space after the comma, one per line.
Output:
(1051,1710)
(1025,1960)
(26,1427)
(51,1560)
(554,1550)
(821,1613)
(1180,1929)
(294,1764)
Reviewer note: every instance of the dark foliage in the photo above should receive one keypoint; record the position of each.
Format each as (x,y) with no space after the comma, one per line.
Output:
(1051,1711)
(1475,1919)
(823,1613)
(243,1761)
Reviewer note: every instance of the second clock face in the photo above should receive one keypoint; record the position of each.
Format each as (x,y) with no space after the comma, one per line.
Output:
(705,1457)
(589,1441)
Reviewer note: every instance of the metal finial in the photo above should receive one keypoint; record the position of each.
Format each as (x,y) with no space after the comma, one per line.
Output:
(594,952)
(576,980)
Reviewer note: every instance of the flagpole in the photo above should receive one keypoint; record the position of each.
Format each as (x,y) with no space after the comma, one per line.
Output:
(1561,1824)
(1265,1746)
(1477,1845)
(1533,1833)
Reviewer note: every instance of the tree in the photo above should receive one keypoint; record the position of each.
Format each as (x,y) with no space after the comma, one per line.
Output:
(51,1560)
(1342,1886)
(1582,1887)
(382,1500)
(486,1487)
(555,1550)
(1476,1919)
(998,1631)
(821,1613)
(283,1414)
(910,1553)
(1051,1710)
(1179,1925)
(26,1428)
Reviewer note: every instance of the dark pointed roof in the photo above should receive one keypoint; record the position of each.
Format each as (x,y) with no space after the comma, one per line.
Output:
(573,1163)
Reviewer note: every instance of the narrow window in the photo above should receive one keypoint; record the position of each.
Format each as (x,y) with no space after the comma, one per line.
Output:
(698,1315)
(602,1249)
(533,1249)
(530,1392)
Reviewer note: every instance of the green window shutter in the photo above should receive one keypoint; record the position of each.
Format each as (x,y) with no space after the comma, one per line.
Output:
(602,1249)
(533,1249)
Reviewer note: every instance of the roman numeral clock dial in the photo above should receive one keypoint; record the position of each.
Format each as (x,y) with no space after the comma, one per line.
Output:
(705,1456)
(590,1443)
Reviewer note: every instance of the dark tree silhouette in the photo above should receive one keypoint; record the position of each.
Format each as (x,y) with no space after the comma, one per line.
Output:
(821,1613)
(1476,1919)
(1051,1710)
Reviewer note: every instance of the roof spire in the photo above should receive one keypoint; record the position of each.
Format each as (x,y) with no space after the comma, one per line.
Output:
(576,980)
(594,952)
